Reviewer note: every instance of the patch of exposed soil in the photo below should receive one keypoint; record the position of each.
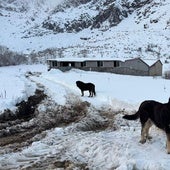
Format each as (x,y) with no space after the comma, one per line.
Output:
(52,163)
(25,109)
(15,129)
(29,122)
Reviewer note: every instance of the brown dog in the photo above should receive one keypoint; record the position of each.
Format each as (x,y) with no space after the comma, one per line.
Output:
(152,112)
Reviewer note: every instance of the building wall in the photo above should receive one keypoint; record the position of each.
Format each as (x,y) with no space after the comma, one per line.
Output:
(91,64)
(129,71)
(108,64)
(117,70)
(156,69)
(77,64)
(52,64)
(136,64)
(97,64)
(129,67)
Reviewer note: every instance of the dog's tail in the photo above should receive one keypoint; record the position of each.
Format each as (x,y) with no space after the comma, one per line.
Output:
(132,117)
(168,103)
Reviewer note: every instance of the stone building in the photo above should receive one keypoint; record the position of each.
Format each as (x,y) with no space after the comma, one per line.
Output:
(135,66)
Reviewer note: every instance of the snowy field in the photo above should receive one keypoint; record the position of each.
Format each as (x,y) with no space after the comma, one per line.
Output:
(117,91)
(101,150)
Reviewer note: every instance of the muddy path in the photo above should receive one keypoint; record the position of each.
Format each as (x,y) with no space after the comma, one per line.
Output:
(20,127)
(15,129)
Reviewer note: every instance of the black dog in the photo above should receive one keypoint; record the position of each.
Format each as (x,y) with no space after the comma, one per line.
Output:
(86,86)
(152,112)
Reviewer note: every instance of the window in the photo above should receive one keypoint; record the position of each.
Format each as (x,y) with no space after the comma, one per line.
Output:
(67,64)
(83,64)
(116,63)
(99,63)
(54,63)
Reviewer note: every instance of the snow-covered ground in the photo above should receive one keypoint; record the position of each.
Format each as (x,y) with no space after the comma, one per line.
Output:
(108,149)
(143,33)
(14,86)
(118,91)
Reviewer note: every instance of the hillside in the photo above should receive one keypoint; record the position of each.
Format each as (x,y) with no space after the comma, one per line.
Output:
(43,29)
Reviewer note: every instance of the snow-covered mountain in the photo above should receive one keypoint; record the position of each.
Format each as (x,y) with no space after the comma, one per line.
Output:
(86,28)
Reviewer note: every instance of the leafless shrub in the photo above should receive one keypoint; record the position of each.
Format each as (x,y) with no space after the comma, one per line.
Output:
(3,94)
(8,57)
(167,74)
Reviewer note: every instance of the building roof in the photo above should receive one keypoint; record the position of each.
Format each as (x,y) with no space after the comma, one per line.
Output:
(151,62)
(82,59)
(148,62)
(68,59)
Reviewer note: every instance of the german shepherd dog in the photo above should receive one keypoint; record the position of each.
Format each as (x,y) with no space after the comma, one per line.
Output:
(86,86)
(152,112)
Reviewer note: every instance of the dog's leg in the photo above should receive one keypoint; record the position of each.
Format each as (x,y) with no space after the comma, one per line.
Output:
(145,131)
(149,124)
(168,142)
(90,94)
(82,93)
(143,137)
